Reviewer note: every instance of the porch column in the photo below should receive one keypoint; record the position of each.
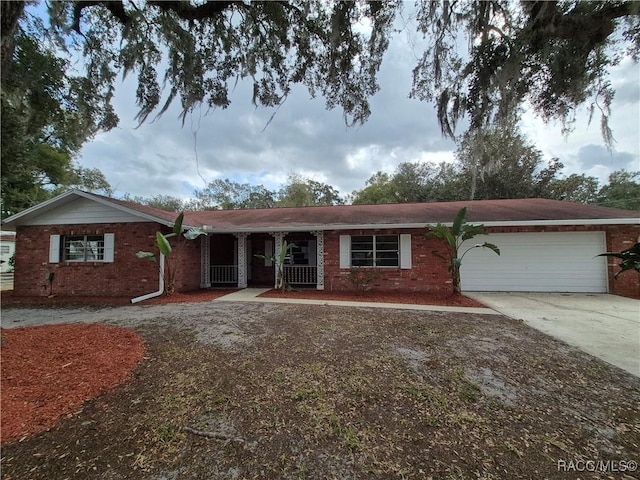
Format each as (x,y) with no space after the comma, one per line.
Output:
(279,237)
(205,261)
(242,259)
(319,259)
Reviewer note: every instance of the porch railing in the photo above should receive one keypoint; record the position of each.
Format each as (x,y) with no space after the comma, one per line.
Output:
(224,274)
(300,274)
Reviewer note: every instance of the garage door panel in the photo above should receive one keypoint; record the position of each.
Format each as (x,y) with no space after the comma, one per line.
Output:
(537,262)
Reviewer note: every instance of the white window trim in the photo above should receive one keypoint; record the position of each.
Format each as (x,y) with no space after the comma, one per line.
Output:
(404,245)
(56,245)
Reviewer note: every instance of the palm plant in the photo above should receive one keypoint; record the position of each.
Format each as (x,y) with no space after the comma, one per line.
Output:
(630,259)
(453,237)
(165,249)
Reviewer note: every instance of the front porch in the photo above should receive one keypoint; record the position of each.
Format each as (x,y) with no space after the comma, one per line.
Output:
(236,259)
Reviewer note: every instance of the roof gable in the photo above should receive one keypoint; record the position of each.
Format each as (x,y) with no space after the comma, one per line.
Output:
(78,207)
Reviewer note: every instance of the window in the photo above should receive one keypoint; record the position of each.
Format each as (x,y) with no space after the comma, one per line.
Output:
(375,251)
(299,254)
(83,248)
(5,249)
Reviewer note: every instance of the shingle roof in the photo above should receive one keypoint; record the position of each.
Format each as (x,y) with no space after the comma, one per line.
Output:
(490,212)
(408,214)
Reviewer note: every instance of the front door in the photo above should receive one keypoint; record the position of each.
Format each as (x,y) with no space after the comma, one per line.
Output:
(261,272)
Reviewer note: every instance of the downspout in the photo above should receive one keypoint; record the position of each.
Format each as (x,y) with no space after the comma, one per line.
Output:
(160,286)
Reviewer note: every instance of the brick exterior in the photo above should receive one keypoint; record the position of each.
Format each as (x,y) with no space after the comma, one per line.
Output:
(126,276)
(130,276)
(429,273)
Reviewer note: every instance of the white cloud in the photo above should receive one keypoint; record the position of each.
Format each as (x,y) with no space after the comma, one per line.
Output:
(163,157)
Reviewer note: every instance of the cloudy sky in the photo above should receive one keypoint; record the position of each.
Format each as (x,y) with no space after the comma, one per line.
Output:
(165,157)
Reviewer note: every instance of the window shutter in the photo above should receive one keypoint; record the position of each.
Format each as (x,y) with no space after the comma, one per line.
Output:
(405,251)
(268,252)
(54,249)
(345,251)
(109,247)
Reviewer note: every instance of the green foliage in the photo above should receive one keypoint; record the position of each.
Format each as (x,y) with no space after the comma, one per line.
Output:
(361,279)
(622,191)
(412,182)
(496,164)
(162,202)
(279,260)
(172,262)
(630,259)
(305,192)
(554,56)
(228,195)
(453,237)
(204,48)
(298,192)
(47,114)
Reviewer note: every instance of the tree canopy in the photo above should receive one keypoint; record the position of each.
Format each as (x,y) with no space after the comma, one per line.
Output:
(47,114)
(481,60)
(495,164)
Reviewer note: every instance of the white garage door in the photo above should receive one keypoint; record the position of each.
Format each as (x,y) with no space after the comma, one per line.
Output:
(537,262)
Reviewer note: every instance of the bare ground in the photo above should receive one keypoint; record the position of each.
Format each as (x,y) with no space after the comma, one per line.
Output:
(301,391)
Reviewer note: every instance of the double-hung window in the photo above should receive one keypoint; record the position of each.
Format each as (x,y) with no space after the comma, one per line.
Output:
(375,251)
(83,248)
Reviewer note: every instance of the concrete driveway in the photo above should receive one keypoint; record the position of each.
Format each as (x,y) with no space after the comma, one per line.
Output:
(606,326)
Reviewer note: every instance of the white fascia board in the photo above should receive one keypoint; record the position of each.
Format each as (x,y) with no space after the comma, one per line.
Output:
(65,198)
(45,206)
(385,226)
(131,211)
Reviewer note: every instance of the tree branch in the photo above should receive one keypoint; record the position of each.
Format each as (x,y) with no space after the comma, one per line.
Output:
(184,10)
(187,11)
(116,8)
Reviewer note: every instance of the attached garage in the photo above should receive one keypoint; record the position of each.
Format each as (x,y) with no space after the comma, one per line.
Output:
(537,262)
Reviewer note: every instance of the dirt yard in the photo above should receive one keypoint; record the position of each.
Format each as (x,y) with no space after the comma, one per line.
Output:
(234,391)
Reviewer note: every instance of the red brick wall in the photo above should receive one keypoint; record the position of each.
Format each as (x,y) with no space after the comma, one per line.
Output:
(429,273)
(620,238)
(126,276)
(187,257)
(130,276)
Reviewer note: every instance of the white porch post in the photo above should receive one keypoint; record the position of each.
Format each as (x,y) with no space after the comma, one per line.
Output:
(205,261)
(319,259)
(279,238)
(242,259)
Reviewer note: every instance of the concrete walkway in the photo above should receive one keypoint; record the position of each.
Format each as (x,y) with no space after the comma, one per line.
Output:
(251,295)
(605,326)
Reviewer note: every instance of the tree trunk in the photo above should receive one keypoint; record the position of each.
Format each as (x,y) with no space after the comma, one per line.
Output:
(455,280)
(10,13)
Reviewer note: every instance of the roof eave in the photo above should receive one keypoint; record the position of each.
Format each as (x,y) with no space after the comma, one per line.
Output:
(385,226)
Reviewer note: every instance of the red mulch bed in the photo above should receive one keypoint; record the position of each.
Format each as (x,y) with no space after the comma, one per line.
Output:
(48,372)
(415,298)
(9,299)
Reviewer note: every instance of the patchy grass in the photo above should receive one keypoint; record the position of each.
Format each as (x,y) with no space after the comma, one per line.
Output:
(320,392)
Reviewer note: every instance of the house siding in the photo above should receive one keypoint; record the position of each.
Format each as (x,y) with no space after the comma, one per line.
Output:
(127,275)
